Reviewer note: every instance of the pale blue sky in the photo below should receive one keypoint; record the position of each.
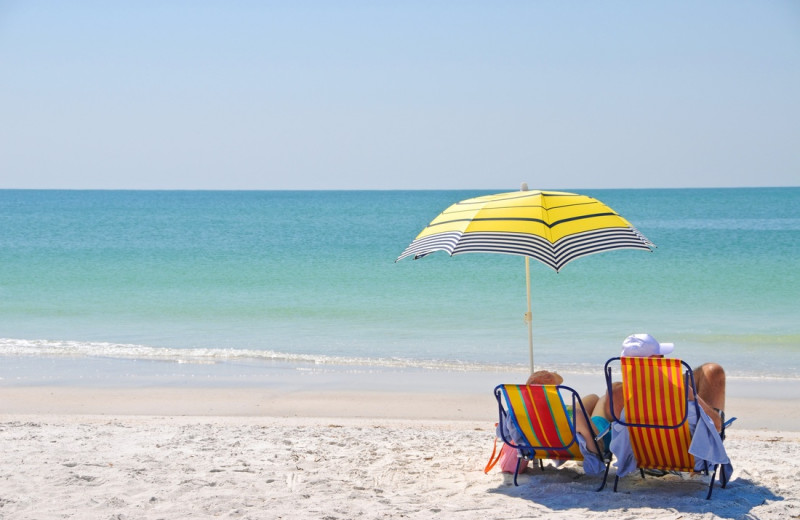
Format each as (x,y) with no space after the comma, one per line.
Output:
(399,95)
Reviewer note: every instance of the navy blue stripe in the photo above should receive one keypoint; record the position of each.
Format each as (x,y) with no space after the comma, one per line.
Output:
(521,219)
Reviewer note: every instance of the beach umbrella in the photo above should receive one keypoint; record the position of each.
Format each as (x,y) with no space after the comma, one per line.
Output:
(552,227)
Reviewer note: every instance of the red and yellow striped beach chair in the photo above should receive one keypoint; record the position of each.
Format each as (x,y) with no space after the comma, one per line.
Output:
(655,395)
(544,426)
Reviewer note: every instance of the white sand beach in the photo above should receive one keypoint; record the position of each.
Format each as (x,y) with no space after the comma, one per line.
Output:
(176,453)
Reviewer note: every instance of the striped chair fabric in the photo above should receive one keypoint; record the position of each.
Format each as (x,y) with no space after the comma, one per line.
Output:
(654,393)
(543,420)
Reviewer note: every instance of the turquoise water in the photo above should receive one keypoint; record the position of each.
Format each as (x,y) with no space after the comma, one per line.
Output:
(120,282)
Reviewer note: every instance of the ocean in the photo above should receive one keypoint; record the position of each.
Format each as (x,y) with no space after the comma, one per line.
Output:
(207,287)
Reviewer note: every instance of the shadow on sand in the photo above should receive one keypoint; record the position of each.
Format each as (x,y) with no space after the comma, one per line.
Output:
(570,489)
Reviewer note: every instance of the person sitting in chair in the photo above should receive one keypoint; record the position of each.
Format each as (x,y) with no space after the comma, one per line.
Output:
(710,384)
(596,407)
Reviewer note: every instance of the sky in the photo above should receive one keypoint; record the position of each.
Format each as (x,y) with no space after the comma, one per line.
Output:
(436,94)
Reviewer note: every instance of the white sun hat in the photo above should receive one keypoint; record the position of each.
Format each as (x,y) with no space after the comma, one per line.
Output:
(644,345)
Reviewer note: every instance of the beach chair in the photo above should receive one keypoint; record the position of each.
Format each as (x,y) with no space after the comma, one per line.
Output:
(655,394)
(543,424)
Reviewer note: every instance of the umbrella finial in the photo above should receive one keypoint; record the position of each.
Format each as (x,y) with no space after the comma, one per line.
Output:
(524,187)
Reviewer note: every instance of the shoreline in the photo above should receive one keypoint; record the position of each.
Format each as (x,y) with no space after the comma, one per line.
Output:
(757,413)
(325,391)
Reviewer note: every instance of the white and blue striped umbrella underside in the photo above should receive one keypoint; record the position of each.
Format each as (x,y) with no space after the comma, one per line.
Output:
(555,255)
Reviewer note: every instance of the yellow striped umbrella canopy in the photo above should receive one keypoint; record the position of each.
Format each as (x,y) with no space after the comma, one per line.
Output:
(552,227)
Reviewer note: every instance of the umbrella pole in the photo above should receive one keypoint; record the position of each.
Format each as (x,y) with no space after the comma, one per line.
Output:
(528,315)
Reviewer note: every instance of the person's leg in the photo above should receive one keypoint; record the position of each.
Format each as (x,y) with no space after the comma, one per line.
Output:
(709,379)
(590,402)
(601,408)
(618,398)
(587,429)
(601,418)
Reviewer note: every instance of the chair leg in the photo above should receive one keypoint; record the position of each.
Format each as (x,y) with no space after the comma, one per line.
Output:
(616,481)
(516,470)
(711,484)
(605,476)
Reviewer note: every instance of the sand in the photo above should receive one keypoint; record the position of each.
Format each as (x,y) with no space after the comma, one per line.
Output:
(175,453)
